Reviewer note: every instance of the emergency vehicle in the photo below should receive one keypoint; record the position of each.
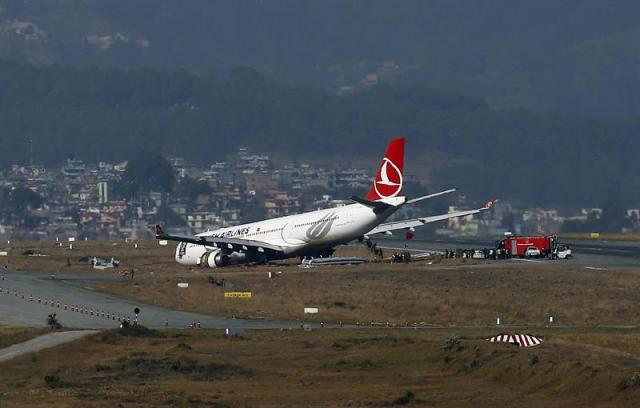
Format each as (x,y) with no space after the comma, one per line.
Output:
(546,245)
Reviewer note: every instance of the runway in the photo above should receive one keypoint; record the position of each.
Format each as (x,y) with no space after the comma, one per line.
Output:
(588,254)
(27,298)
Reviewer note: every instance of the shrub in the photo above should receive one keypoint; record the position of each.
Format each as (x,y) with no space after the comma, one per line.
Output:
(52,380)
(405,399)
(447,359)
(138,330)
(534,360)
(339,303)
(451,342)
(52,321)
(175,365)
(632,381)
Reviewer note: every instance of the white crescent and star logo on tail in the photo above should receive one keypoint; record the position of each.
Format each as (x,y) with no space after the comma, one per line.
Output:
(389,180)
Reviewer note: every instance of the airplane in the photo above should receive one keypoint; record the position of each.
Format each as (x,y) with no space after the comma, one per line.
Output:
(315,233)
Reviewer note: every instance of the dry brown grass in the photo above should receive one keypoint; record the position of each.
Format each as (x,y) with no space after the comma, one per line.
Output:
(440,294)
(148,256)
(12,335)
(447,292)
(574,367)
(327,368)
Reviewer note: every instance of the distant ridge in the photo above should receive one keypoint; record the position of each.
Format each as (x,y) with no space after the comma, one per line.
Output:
(111,114)
(545,55)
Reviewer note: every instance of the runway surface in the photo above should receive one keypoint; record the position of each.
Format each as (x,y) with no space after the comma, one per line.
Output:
(42,342)
(589,254)
(27,299)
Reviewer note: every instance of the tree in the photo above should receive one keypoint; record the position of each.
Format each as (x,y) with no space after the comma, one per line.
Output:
(189,189)
(21,199)
(614,216)
(17,201)
(52,322)
(169,218)
(147,172)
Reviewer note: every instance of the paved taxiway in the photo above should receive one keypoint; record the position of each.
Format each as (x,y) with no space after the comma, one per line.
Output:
(28,297)
(42,342)
(588,254)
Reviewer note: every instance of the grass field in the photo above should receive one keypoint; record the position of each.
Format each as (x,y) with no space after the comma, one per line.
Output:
(445,292)
(328,368)
(367,367)
(54,257)
(11,335)
(438,294)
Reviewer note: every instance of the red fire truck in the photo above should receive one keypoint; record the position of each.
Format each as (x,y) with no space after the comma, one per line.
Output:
(538,246)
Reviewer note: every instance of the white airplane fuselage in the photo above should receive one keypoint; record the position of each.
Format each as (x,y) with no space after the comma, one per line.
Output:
(313,233)
(305,234)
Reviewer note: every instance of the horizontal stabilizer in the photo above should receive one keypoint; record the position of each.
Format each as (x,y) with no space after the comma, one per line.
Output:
(377,206)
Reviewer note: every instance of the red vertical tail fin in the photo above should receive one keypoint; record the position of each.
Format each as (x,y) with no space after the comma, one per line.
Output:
(388,181)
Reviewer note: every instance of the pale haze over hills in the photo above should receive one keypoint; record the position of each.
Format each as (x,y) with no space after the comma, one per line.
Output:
(550,55)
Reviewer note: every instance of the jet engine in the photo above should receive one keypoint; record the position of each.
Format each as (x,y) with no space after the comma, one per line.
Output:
(208,257)
(214,259)
(200,255)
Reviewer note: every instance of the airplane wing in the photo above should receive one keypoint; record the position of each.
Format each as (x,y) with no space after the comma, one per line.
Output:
(415,200)
(236,244)
(380,205)
(387,227)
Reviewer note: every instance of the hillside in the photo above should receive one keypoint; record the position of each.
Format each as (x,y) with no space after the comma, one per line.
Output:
(548,55)
(110,114)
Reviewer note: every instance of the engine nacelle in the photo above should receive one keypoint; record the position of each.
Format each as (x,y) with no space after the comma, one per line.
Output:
(214,259)
(189,254)
(207,257)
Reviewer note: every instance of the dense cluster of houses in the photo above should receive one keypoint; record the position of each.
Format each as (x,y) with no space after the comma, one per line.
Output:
(79,200)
